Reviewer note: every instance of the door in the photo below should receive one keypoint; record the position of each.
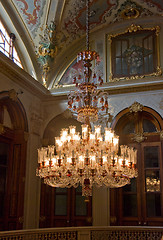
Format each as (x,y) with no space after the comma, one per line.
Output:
(141,202)
(63,207)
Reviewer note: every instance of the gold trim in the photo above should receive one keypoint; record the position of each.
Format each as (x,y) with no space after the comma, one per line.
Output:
(139,137)
(136,107)
(131,29)
(130,16)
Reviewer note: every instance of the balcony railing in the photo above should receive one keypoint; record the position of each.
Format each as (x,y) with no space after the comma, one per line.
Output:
(86,233)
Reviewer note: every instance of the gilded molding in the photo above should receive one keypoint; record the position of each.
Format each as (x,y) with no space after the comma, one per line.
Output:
(136,107)
(132,29)
(130,13)
(135,28)
(139,137)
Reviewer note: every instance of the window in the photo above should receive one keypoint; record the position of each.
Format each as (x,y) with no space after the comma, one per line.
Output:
(134,53)
(7,45)
(140,203)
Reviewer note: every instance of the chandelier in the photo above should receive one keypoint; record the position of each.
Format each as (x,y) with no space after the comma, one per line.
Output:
(91,158)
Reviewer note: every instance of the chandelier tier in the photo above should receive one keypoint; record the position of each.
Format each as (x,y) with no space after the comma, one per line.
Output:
(88,100)
(91,158)
(86,160)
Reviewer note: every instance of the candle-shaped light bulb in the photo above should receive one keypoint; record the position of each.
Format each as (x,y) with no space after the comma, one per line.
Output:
(72,130)
(108,135)
(64,132)
(84,131)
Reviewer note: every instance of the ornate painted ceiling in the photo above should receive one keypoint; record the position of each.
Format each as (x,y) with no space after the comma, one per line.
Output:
(35,14)
(67,18)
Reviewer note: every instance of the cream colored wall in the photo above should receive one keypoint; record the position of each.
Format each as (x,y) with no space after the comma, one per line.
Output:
(14,78)
(41,107)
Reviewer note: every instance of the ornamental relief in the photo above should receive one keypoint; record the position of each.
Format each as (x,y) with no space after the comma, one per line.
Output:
(139,137)
(136,107)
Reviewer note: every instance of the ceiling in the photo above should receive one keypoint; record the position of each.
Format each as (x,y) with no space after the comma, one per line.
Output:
(32,16)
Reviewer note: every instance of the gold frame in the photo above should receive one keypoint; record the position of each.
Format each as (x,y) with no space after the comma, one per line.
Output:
(131,29)
(137,13)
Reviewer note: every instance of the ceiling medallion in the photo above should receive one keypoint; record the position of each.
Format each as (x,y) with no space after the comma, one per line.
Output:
(90,158)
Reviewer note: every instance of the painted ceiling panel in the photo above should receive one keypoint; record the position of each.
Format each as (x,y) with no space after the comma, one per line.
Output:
(154,3)
(32,13)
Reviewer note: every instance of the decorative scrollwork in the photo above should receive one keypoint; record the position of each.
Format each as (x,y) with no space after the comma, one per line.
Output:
(136,107)
(139,138)
(47,50)
(130,12)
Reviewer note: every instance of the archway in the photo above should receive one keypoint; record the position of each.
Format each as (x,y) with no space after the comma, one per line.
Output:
(140,203)
(62,207)
(13,138)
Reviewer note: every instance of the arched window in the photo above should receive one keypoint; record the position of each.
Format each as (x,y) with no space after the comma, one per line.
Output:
(7,45)
(141,202)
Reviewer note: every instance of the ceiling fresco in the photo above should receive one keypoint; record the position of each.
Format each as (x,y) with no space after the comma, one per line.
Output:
(34,14)
(31,12)
(67,19)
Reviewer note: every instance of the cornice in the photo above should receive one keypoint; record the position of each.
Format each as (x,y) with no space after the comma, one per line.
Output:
(9,69)
(121,87)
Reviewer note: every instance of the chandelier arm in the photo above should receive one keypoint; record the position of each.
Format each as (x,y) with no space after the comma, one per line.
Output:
(93,157)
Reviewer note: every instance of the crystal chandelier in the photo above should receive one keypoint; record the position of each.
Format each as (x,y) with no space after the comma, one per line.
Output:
(91,158)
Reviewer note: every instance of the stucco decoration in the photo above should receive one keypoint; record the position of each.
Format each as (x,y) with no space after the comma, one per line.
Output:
(31,12)
(47,50)
(139,138)
(75,11)
(156,4)
(130,10)
(152,101)
(67,114)
(136,107)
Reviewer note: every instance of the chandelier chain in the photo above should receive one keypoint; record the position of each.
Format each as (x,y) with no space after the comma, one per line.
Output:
(87,24)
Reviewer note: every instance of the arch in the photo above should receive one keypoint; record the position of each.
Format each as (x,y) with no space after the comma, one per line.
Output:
(145,109)
(15,108)
(23,43)
(53,128)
